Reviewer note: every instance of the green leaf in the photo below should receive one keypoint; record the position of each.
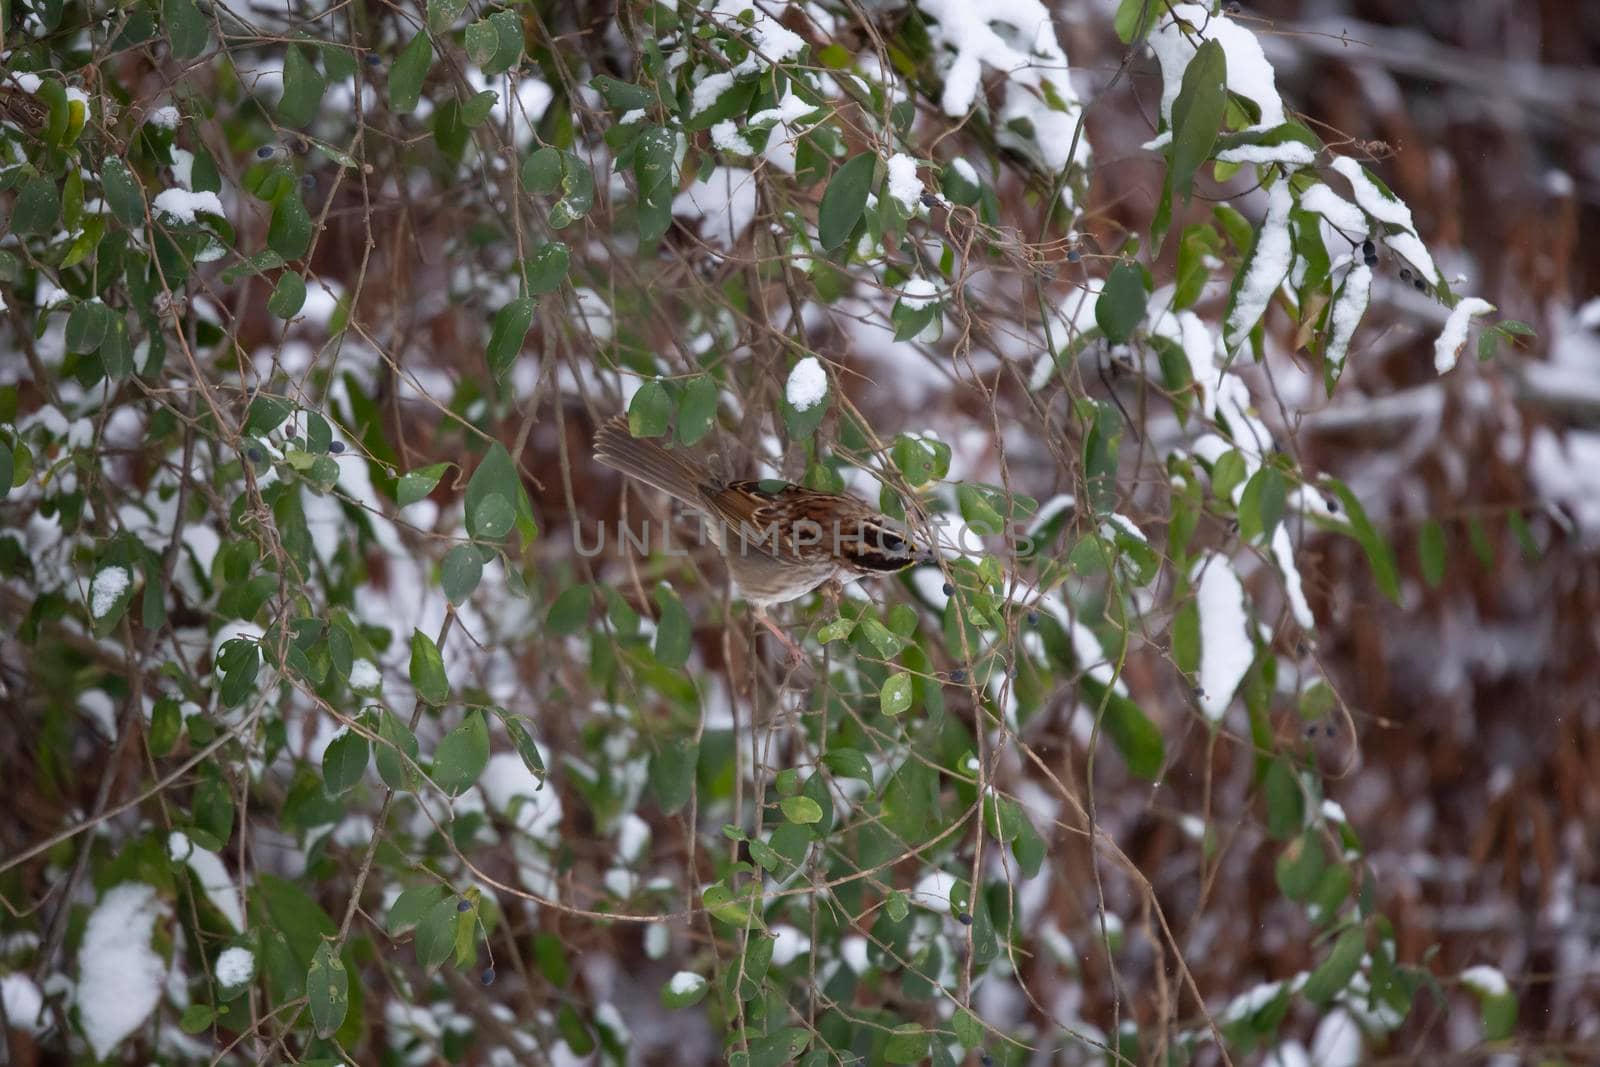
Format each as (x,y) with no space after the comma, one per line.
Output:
(505,338)
(427,669)
(801,810)
(289,233)
(186,27)
(908,1043)
(523,741)
(462,755)
(288,296)
(1334,973)
(417,484)
(1121,306)
(495,43)
(541,171)
(327,991)
(405,77)
(411,905)
(1197,115)
(570,612)
(844,200)
(442,14)
(895,695)
(650,410)
(166,722)
(697,409)
(672,770)
(303,86)
(674,632)
(197,1018)
(461,571)
(547,269)
(37,207)
(396,741)
(1133,19)
(476,110)
(849,763)
(122,192)
(1261,504)
(294,914)
(1431,547)
(1300,866)
(1129,728)
(1379,555)
(436,933)
(496,476)
(1285,801)
(266,414)
(86,327)
(621,95)
(344,762)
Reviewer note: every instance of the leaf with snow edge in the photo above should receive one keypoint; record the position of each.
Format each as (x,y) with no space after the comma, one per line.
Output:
(1344,315)
(1197,116)
(1454,335)
(1379,555)
(1397,230)
(960,183)
(1263,270)
(684,990)
(1496,1000)
(844,200)
(1290,144)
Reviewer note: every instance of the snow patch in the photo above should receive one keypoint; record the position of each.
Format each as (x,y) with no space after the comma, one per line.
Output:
(235,967)
(807,385)
(106,589)
(905,188)
(1454,334)
(120,974)
(1226,650)
(1269,265)
(183,205)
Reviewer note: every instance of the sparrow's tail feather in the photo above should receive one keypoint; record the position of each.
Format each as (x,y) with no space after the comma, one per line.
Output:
(647,461)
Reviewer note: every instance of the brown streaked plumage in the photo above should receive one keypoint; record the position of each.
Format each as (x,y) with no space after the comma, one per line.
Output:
(780,540)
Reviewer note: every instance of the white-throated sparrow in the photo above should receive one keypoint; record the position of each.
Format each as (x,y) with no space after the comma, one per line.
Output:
(780,540)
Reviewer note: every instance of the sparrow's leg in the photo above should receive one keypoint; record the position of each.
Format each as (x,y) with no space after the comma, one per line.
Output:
(796,655)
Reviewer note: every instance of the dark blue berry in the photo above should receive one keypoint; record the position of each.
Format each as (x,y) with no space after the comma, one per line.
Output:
(1033,618)
(988,1060)
(958,675)
(1368,248)
(255,455)
(964,919)
(308,181)
(1421,285)
(949,590)
(373,59)
(1405,274)
(487,977)
(1333,505)
(265,152)
(336,447)
(1073,256)
(463,905)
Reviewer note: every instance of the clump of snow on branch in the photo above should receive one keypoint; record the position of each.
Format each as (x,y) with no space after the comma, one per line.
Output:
(183,205)
(121,977)
(1269,264)
(1454,334)
(807,385)
(1017,38)
(918,293)
(106,589)
(1226,651)
(905,188)
(1384,206)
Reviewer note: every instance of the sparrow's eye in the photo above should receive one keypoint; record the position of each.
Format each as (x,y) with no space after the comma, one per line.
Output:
(889,541)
